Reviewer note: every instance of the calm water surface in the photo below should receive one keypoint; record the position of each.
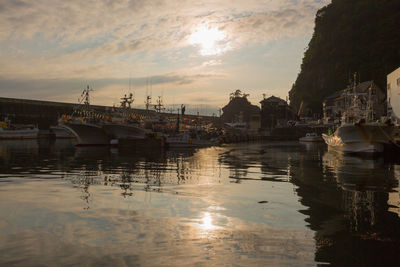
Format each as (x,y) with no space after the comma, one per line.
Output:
(258,204)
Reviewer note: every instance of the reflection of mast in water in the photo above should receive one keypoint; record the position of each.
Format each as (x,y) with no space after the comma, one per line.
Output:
(365,183)
(86,196)
(362,190)
(84,179)
(394,195)
(126,184)
(180,169)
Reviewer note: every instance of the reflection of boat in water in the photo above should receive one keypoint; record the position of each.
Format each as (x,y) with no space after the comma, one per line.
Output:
(339,161)
(311,137)
(359,133)
(185,140)
(352,171)
(10,131)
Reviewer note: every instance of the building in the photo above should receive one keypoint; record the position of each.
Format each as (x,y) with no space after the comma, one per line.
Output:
(393,95)
(275,112)
(239,109)
(335,104)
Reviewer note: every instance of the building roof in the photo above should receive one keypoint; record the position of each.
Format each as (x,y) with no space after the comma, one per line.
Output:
(272,99)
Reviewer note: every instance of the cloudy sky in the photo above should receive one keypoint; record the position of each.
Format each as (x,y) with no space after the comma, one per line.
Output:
(190,52)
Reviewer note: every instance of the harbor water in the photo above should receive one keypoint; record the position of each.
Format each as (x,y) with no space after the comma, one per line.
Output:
(248,204)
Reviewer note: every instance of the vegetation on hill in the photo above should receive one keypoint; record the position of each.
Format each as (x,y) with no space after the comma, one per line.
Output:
(350,36)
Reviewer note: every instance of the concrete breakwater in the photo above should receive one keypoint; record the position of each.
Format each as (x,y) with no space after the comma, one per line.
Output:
(46,113)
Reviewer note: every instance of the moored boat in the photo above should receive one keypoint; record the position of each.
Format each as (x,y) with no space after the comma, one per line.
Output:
(10,131)
(61,132)
(359,131)
(360,137)
(87,134)
(85,123)
(124,130)
(123,124)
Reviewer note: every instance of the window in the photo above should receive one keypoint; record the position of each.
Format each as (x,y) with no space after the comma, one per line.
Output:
(398,81)
(388,86)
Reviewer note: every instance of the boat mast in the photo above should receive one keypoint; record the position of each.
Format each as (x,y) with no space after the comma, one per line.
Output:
(148,96)
(85,96)
(83,108)
(159,106)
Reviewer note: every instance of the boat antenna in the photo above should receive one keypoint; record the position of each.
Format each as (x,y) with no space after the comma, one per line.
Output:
(159,106)
(85,96)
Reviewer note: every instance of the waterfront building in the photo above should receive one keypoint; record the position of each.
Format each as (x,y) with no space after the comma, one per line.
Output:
(275,112)
(335,104)
(393,95)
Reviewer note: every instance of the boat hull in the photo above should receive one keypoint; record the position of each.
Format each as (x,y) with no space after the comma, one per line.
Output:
(61,132)
(124,131)
(88,134)
(360,138)
(19,134)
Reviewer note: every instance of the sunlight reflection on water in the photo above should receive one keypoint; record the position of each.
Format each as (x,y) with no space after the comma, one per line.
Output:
(242,204)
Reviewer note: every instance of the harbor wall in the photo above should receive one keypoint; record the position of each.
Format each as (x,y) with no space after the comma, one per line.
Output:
(46,113)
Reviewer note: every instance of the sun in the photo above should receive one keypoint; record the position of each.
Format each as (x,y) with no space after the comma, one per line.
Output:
(210,40)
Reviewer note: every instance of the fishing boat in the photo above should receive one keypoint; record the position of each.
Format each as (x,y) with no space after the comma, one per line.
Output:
(17,131)
(86,124)
(359,131)
(87,133)
(311,137)
(123,124)
(61,132)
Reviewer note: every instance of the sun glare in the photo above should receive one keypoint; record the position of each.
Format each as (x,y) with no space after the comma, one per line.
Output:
(207,223)
(209,39)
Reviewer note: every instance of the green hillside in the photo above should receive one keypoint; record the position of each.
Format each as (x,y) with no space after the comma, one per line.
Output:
(350,36)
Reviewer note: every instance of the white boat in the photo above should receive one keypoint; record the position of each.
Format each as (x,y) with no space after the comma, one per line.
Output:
(360,137)
(311,137)
(8,131)
(359,133)
(87,134)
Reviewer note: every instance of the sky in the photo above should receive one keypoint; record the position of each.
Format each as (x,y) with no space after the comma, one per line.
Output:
(187,52)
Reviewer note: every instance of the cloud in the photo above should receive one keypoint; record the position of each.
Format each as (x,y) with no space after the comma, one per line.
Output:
(47,46)
(138,23)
